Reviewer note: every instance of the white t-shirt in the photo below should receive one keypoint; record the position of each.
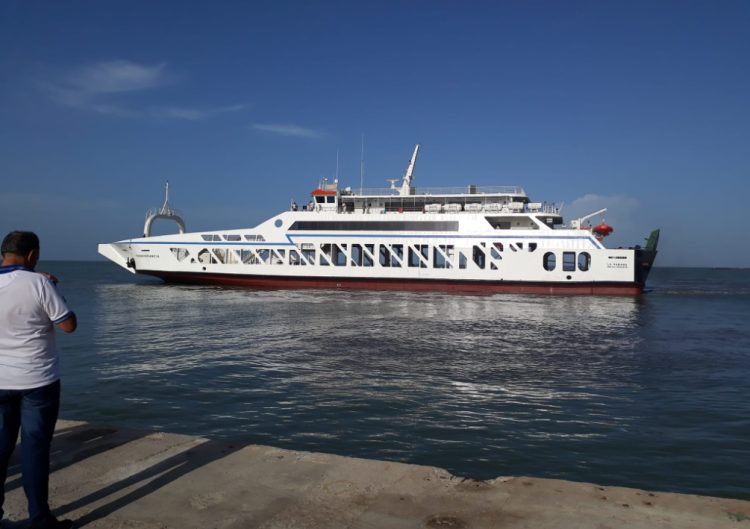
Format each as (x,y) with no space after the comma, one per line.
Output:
(30,306)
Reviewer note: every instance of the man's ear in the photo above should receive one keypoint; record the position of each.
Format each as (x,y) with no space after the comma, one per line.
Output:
(32,258)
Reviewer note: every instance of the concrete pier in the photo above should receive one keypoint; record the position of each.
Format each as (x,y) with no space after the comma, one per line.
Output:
(119,479)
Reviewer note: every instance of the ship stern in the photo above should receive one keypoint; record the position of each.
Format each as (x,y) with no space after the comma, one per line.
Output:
(644,258)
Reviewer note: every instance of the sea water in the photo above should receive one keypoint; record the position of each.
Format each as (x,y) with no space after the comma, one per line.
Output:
(649,392)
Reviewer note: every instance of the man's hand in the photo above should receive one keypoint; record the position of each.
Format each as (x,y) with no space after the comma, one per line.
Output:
(50,277)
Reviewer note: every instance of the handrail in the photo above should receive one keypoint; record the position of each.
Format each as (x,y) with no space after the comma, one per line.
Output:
(167,212)
(467,190)
(545,208)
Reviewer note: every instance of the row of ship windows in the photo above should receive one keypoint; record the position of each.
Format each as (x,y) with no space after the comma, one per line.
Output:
(483,255)
(232,237)
(569,261)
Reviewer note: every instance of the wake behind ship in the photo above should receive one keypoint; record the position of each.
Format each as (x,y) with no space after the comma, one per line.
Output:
(471,239)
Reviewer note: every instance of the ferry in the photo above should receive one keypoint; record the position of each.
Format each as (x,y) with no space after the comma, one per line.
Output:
(468,239)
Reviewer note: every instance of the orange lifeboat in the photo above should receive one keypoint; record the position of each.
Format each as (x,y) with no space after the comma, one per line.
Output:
(602,230)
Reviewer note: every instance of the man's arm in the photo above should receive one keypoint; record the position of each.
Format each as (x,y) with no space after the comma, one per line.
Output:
(68,325)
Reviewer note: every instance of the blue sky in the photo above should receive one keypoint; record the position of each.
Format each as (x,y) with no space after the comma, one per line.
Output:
(641,107)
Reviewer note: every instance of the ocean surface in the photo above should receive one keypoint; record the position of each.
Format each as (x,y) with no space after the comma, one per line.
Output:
(650,392)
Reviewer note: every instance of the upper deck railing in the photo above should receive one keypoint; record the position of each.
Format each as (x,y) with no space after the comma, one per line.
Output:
(163,212)
(439,191)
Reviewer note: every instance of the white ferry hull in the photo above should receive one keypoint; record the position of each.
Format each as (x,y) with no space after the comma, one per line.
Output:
(275,265)
(458,286)
(473,239)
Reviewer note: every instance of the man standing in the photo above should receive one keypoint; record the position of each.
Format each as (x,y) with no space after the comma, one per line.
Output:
(30,308)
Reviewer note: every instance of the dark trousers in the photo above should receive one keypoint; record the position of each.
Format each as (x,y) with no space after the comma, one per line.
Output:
(34,412)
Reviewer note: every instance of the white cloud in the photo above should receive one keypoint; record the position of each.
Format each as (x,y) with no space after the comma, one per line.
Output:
(111,77)
(94,87)
(193,114)
(288,130)
(101,87)
(112,110)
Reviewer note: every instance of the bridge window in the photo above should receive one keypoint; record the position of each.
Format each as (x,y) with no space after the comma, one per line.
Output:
(388,225)
(232,237)
(549,261)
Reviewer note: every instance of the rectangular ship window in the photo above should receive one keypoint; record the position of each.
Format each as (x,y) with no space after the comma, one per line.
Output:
(569,261)
(339,254)
(397,255)
(368,252)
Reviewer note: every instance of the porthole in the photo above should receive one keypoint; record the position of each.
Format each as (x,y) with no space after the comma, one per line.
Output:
(278,223)
(549,261)
(584,261)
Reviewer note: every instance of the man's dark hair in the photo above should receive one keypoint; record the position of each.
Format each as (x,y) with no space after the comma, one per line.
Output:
(20,243)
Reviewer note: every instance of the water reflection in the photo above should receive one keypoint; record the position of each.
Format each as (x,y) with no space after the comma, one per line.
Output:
(337,364)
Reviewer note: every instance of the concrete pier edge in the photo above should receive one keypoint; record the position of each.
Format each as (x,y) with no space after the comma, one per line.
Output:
(106,477)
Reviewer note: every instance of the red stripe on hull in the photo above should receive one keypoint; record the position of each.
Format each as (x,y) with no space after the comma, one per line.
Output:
(488,287)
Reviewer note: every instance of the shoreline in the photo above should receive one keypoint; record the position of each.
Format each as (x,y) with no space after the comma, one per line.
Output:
(108,477)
